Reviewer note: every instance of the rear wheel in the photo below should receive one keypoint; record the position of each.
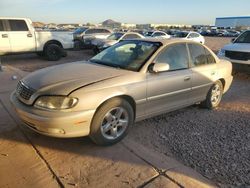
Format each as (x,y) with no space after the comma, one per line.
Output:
(53,52)
(111,122)
(214,96)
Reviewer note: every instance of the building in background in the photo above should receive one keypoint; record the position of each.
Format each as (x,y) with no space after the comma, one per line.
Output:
(233,22)
(111,24)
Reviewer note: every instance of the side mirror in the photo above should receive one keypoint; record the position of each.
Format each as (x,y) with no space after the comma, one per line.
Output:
(233,40)
(159,67)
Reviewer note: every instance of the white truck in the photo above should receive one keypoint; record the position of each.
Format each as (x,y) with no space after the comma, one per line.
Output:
(17,35)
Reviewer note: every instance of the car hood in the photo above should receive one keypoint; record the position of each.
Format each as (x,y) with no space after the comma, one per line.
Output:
(63,79)
(239,47)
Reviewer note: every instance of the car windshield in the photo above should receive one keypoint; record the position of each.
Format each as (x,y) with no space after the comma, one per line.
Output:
(129,55)
(181,34)
(80,30)
(149,34)
(115,36)
(243,38)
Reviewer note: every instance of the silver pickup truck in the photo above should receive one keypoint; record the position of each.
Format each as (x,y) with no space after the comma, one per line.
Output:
(17,35)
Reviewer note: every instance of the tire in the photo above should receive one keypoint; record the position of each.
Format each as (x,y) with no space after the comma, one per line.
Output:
(214,96)
(53,52)
(112,122)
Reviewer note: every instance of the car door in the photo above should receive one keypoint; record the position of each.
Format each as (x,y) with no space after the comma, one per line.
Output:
(171,89)
(4,39)
(21,38)
(203,66)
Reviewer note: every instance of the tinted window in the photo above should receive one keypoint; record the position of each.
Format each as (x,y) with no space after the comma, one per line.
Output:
(244,38)
(80,30)
(158,34)
(200,55)
(1,25)
(103,31)
(176,56)
(18,25)
(90,31)
(193,35)
(115,36)
(181,34)
(131,36)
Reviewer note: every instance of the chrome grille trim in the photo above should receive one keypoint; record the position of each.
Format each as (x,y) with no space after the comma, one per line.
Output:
(24,91)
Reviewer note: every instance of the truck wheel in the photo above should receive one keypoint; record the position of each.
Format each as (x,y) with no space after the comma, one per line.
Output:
(214,96)
(53,52)
(111,122)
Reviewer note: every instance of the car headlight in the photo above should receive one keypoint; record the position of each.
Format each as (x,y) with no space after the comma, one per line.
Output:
(56,102)
(221,53)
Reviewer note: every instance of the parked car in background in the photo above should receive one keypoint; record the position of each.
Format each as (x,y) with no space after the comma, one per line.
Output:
(238,51)
(231,33)
(130,81)
(190,35)
(157,34)
(83,36)
(102,44)
(17,35)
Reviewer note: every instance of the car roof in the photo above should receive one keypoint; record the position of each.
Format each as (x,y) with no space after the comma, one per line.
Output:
(163,41)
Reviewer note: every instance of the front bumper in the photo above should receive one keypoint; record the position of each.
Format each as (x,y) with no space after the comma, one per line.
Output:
(65,124)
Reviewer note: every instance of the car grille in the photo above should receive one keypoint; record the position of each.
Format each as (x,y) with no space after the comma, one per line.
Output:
(244,56)
(24,91)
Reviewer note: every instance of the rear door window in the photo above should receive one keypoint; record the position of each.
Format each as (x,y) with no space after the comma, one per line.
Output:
(18,25)
(1,25)
(200,56)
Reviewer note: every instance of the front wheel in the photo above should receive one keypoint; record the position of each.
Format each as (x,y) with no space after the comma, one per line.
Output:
(214,96)
(53,52)
(111,122)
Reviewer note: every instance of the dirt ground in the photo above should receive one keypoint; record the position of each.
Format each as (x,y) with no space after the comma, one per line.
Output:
(215,143)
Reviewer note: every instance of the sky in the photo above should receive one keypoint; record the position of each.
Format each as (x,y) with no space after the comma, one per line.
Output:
(126,11)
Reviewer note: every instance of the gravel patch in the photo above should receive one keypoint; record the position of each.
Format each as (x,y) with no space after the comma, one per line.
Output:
(216,143)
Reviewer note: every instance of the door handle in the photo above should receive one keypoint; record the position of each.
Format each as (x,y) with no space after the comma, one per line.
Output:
(187,78)
(29,35)
(213,73)
(4,35)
